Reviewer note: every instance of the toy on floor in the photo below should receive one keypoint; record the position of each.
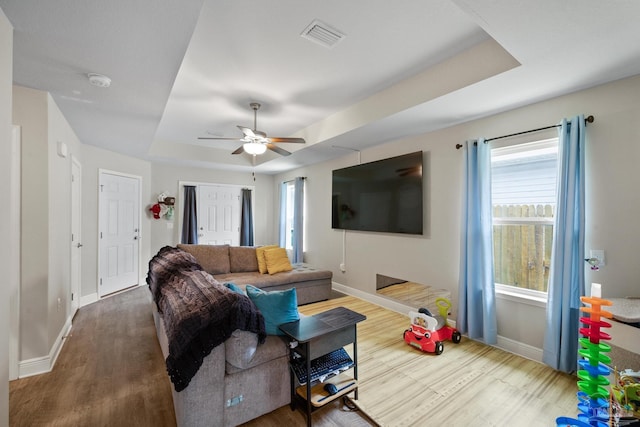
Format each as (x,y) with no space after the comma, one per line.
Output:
(428,332)
(626,391)
(593,395)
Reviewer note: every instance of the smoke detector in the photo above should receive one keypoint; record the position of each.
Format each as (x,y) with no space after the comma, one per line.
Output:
(99,80)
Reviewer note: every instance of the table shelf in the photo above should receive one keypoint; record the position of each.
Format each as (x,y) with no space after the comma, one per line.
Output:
(320,397)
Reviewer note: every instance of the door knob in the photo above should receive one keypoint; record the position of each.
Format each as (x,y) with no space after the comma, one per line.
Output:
(79,245)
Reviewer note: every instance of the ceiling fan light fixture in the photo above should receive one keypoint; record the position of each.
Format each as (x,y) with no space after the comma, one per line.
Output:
(254,148)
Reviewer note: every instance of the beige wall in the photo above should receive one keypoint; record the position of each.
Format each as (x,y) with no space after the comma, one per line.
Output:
(613,150)
(94,159)
(30,113)
(166,179)
(6,78)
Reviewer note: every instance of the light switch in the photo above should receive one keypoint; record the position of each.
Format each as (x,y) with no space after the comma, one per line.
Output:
(170,226)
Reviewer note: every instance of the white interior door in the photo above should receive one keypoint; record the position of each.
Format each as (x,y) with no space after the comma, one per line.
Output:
(119,232)
(14,243)
(76,233)
(219,211)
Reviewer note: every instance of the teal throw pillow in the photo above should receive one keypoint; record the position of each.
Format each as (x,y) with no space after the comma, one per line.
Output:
(235,288)
(277,307)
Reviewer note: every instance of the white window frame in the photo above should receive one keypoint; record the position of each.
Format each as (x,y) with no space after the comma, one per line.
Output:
(509,292)
(288,188)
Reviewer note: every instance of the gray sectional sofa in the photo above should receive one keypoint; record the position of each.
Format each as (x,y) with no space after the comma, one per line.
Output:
(239,265)
(241,378)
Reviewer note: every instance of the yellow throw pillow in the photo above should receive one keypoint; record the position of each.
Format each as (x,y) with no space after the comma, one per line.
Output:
(262,263)
(277,260)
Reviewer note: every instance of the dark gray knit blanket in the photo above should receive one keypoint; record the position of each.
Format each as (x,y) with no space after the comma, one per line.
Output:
(199,313)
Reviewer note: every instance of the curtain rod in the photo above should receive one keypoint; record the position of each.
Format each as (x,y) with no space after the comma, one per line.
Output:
(589,119)
(291,180)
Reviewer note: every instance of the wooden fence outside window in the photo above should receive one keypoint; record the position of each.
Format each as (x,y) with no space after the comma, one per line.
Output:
(522,238)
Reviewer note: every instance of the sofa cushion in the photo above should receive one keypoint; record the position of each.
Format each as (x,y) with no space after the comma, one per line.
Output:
(277,260)
(213,258)
(300,273)
(242,259)
(262,263)
(277,307)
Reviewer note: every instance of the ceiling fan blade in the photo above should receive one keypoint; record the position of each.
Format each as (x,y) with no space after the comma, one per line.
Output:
(221,139)
(287,140)
(277,149)
(247,131)
(239,150)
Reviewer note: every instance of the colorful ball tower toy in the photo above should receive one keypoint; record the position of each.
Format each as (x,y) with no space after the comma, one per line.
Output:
(593,396)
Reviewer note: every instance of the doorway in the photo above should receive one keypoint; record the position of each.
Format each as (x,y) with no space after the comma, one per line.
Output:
(119,231)
(14,243)
(76,234)
(219,214)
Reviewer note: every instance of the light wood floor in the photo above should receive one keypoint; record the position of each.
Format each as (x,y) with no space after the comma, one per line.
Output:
(111,373)
(469,384)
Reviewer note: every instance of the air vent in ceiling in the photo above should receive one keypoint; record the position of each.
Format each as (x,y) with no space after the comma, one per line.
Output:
(323,34)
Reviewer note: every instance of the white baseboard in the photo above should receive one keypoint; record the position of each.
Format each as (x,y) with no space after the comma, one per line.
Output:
(374,299)
(41,365)
(88,299)
(507,344)
(521,349)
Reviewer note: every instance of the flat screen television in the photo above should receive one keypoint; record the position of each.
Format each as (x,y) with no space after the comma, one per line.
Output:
(385,196)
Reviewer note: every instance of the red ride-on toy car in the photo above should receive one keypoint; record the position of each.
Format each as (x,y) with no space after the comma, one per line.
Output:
(427,332)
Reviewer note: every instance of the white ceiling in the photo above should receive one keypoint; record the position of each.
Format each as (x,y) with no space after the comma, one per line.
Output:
(189,68)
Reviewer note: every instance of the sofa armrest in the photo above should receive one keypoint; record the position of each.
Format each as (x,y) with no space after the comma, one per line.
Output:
(240,348)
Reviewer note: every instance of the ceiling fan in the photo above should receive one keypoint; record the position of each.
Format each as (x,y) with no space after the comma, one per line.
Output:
(255,141)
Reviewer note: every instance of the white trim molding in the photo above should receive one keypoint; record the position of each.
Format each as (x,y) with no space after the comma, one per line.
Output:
(521,349)
(41,365)
(374,299)
(14,274)
(88,299)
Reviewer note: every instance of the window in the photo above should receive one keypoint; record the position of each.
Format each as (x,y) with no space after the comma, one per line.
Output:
(288,193)
(292,218)
(523,185)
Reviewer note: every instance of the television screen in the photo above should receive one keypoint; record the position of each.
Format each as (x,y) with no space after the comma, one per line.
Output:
(385,196)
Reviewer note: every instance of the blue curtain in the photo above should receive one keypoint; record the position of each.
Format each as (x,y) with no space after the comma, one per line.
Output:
(566,275)
(298,220)
(246,224)
(189,218)
(476,289)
